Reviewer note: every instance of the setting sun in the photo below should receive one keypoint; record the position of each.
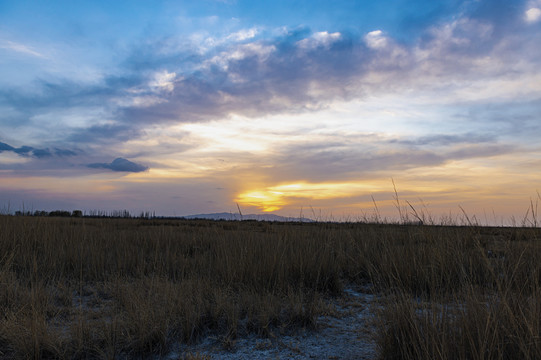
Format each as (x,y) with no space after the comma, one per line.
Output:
(266,201)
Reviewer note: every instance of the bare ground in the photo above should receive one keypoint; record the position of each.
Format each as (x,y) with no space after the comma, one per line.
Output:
(344,333)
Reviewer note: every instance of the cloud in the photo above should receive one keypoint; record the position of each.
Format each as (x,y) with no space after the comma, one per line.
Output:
(375,39)
(358,156)
(300,70)
(19,48)
(261,77)
(319,39)
(447,139)
(252,78)
(64,152)
(256,74)
(163,81)
(23,150)
(42,153)
(103,133)
(36,153)
(120,164)
(533,15)
(5,147)
(243,35)
(479,151)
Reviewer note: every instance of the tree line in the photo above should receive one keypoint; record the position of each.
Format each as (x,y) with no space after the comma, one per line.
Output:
(90,213)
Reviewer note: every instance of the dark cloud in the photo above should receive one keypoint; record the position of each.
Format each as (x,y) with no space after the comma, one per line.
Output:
(120,164)
(42,153)
(23,150)
(64,152)
(5,147)
(37,153)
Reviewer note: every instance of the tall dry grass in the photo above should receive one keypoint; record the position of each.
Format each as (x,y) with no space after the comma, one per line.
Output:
(471,294)
(110,288)
(103,288)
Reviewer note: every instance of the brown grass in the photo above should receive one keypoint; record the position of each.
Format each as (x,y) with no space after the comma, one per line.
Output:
(472,295)
(115,288)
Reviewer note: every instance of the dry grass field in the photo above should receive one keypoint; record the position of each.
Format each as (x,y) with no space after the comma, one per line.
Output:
(84,288)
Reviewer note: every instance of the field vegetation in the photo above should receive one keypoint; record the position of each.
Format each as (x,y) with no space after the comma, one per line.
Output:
(79,287)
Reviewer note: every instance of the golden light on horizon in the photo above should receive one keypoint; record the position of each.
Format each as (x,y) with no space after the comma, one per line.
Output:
(354,195)
(276,197)
(266,201)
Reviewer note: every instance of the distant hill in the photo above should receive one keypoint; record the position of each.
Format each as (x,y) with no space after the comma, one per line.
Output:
(259,217)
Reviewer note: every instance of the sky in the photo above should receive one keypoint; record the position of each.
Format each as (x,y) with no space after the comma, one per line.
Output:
(293,107)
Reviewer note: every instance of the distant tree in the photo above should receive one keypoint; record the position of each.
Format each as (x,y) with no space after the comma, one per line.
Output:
(147,215)
(77,213)
(119,214)
(61,213)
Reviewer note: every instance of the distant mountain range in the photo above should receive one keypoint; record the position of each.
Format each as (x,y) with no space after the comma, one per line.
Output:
(259,217)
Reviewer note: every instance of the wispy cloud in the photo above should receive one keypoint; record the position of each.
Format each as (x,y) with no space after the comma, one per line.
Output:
(447,139)
(20,48)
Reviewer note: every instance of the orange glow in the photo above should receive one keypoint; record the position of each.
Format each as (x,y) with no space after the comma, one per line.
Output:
(276,197)
(272,198)
(267,201)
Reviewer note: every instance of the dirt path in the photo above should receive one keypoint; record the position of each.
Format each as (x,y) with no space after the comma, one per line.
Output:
(346,334)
